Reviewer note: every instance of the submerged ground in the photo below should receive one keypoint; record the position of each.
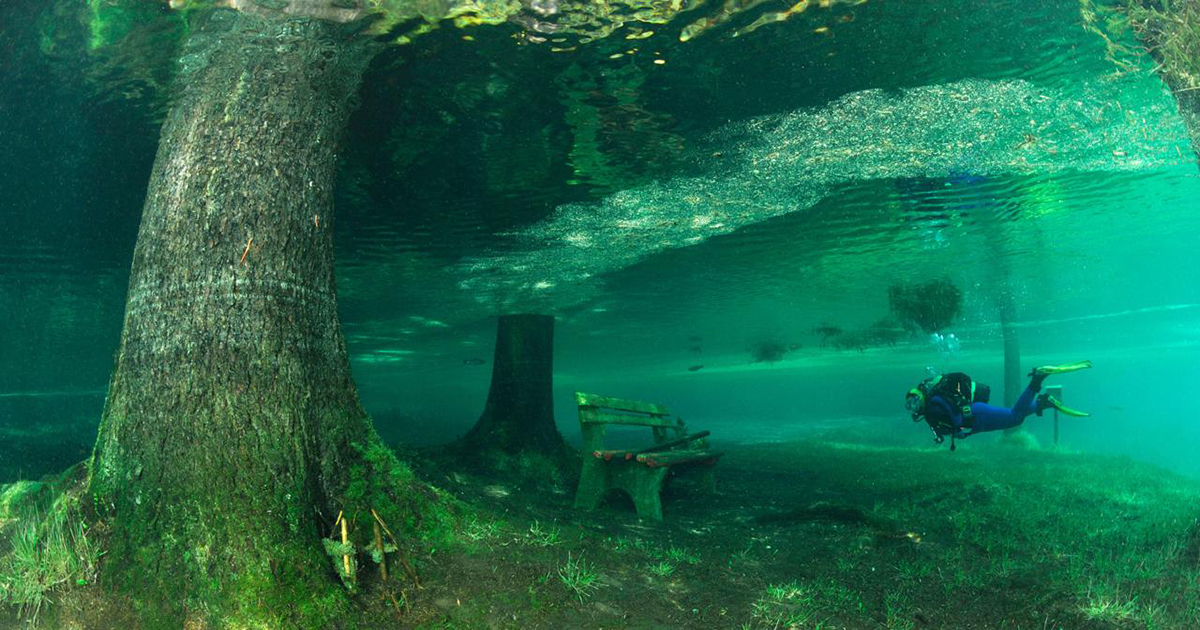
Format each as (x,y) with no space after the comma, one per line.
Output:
(833,532)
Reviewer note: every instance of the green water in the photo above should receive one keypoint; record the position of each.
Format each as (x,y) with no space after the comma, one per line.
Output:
(672,216)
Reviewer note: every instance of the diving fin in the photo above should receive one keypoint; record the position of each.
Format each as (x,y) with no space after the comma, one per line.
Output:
(1046,401)
(1047,370)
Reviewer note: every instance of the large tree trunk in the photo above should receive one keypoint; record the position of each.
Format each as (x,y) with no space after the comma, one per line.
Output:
(231,419)
(1189,108)
(518,419)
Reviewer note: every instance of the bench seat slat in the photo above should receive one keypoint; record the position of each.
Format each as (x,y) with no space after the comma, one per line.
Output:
(670,444)
(608,455)
(670,458)
(595,400)
(600,417)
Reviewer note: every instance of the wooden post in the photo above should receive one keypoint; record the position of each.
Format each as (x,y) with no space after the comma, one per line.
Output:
(1056,391)
(345,558)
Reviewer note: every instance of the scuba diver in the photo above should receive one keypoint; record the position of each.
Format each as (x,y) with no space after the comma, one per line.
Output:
(955,405)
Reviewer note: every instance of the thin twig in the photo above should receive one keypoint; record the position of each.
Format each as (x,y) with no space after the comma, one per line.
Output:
(399,550)
(399,613)
(385,527)
(246,251)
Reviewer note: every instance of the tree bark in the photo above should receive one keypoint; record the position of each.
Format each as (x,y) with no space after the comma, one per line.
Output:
(1189,108)
(1013,382)
(518,418)
(232,420)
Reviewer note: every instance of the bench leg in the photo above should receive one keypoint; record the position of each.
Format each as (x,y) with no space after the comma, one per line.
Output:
(646,489)
(708,478)
(593,483)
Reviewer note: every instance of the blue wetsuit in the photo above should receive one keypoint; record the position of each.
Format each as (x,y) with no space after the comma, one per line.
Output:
(985,417)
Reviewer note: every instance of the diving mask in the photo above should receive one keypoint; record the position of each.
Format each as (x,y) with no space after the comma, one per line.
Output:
(914,402)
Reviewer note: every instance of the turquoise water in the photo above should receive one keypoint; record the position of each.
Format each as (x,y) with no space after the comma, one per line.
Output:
(713,200)
(674,215)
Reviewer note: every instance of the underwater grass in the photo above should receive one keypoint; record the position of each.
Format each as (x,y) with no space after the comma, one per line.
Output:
(1168,29)
(579,577)
(796,604)
(479,529)
(661,568)
(50,550)
(681,555)
(544,536)
(1106,605)
(1103,536)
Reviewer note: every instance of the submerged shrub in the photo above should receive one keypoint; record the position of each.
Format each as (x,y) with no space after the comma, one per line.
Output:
(770,350)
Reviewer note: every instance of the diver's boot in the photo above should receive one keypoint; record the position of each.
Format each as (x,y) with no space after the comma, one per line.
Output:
(1046,401)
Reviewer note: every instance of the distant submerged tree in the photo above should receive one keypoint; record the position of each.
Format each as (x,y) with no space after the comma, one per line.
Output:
(516,432)
(883,332)
(930,307)
(999,232)
(770,350)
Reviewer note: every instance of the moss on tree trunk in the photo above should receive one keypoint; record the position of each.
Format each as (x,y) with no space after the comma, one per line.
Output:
(232,422)
(517,425)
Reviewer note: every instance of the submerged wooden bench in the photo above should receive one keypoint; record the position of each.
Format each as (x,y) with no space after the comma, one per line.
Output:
(643,472)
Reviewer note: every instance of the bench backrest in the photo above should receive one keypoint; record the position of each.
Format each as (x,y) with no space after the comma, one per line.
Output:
(597,412)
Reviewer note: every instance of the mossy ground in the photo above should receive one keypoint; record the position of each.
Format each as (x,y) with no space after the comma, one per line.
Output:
(830,533)
(844,534)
